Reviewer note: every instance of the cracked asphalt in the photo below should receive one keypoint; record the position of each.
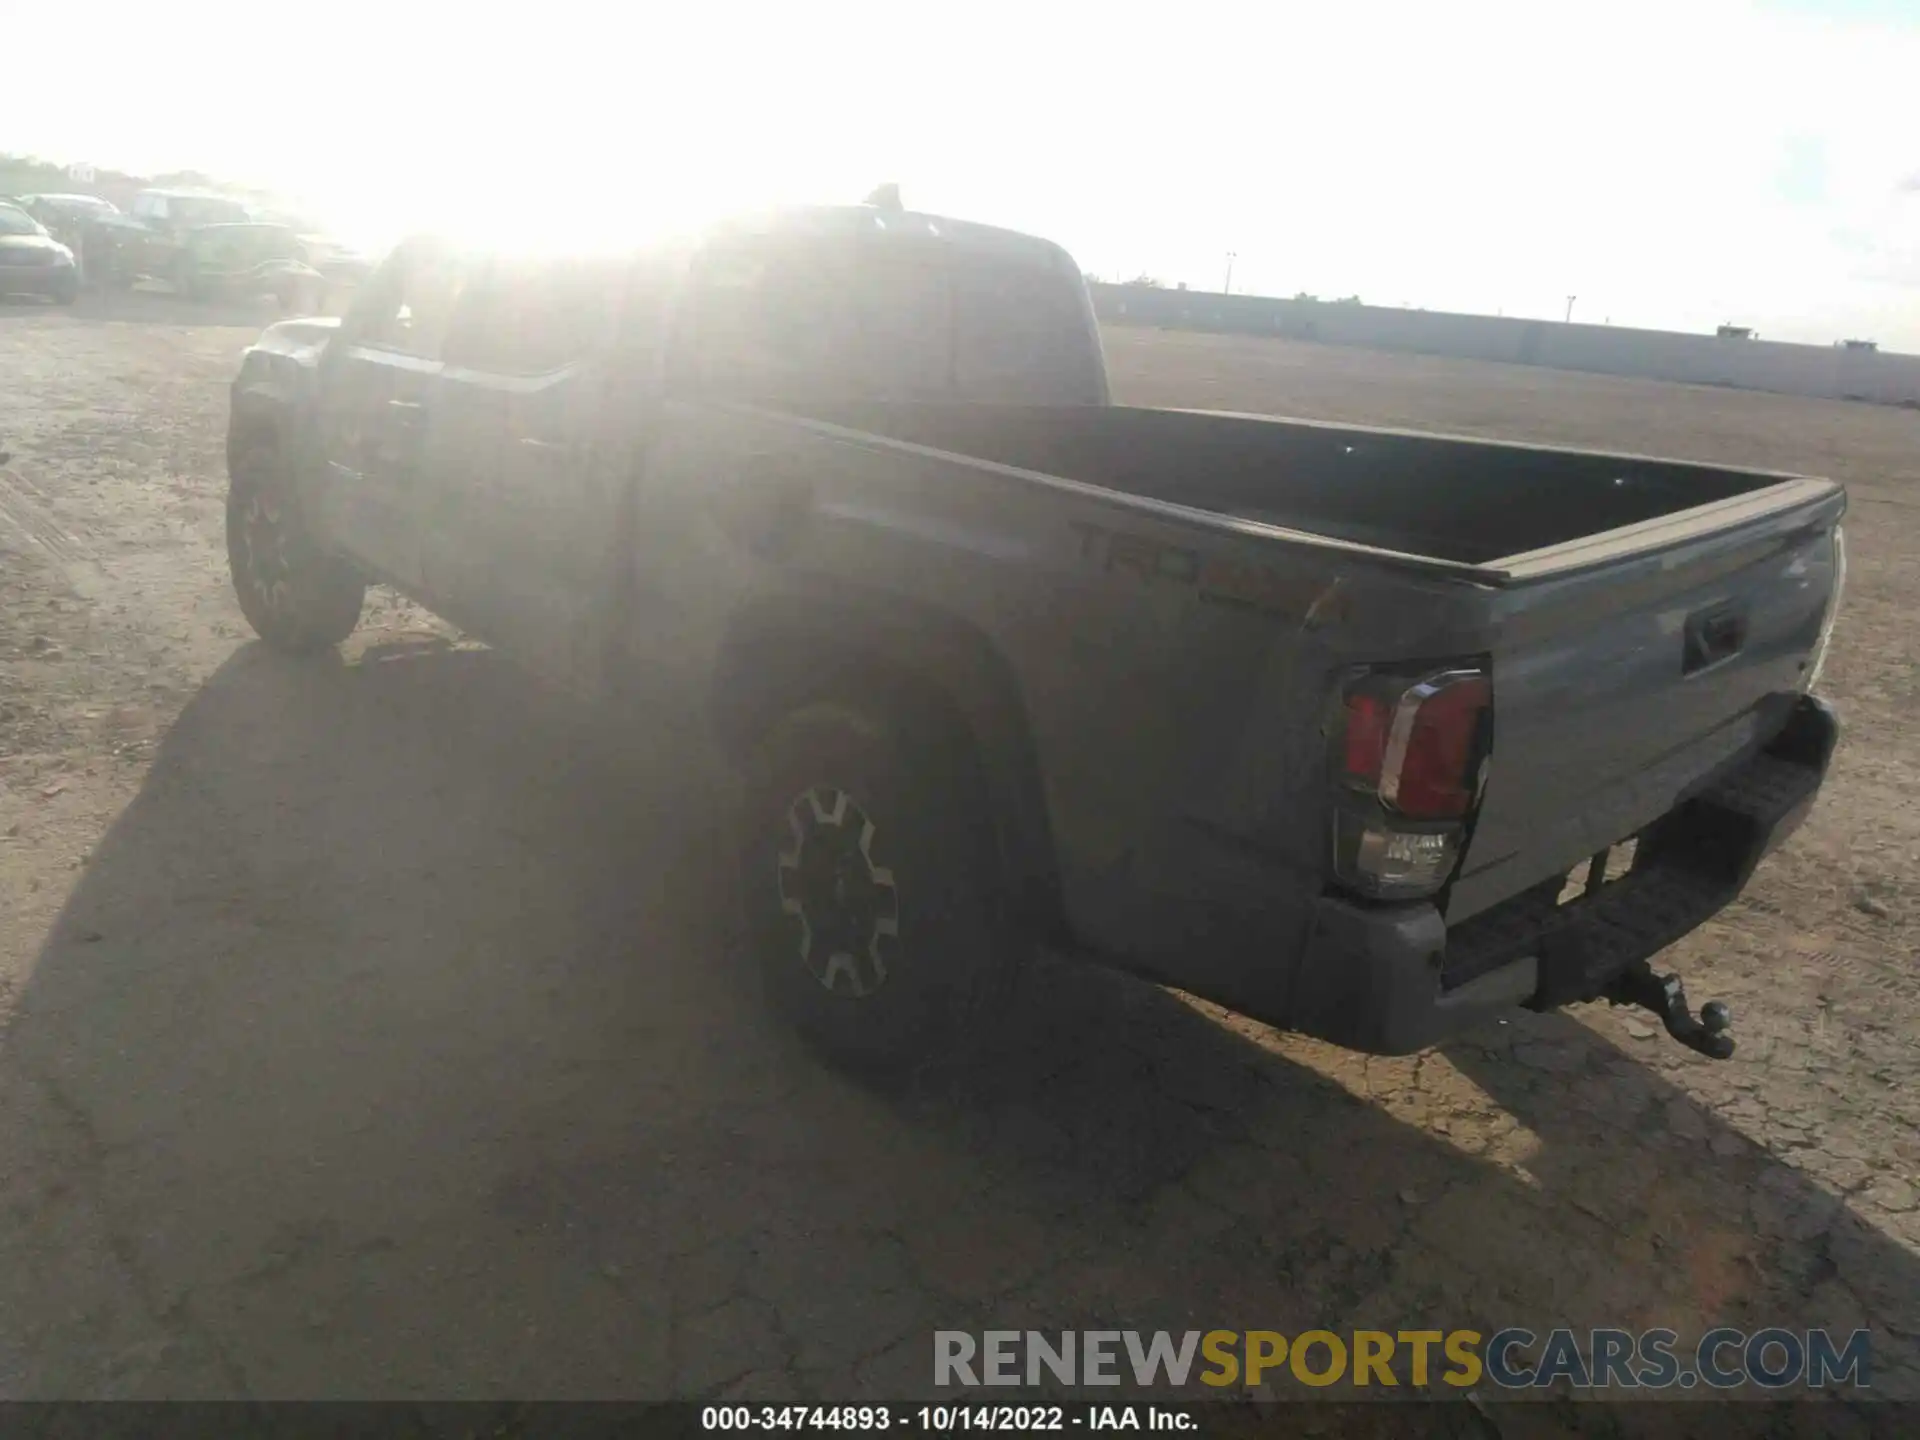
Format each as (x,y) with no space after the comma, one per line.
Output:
(376,1028)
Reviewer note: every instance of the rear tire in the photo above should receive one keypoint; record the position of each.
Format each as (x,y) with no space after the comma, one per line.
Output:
(297,597)
(869,881)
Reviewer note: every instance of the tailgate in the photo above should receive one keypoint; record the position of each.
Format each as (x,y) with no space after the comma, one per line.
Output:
(1625,686)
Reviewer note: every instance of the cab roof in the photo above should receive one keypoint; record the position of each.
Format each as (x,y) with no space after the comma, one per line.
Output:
(867,222)
(883,223)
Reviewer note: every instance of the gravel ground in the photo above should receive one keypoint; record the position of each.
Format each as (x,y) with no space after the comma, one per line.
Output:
(371,1027)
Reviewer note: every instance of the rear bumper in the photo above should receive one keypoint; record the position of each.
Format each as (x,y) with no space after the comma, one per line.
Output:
(1390,980)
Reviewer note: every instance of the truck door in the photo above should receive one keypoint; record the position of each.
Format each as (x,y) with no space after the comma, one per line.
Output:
(531,442)
(771,321)
(757,316)
(377,385)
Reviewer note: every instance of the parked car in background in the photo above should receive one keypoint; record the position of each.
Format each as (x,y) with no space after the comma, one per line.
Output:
(32,262)
(45,206)
(83,223)
(344,265)
(148,239)
(245,262)
(174,211)
(66,217)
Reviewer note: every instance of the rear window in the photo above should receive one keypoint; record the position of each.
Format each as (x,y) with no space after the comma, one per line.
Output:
(895,319)
(891,310)
(1018,330)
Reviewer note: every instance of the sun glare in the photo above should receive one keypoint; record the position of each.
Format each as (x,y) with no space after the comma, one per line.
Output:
(599,201)
(1367,150)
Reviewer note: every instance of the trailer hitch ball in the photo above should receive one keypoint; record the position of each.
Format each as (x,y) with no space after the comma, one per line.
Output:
(1666,997)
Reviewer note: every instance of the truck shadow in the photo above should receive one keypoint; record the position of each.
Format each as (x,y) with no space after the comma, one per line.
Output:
(392,1044)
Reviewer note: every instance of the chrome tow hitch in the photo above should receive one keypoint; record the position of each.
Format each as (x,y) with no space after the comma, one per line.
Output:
(1666,997)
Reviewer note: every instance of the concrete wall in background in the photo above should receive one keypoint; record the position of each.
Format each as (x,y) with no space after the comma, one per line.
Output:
(1885,379)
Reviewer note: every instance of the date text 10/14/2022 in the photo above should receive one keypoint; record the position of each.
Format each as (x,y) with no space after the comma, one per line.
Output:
(1013,1419)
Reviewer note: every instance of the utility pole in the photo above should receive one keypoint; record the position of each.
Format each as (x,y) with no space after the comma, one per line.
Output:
(1227,289)
(1570,300)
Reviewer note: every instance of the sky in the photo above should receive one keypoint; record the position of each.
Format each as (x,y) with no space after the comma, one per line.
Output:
(1667,163)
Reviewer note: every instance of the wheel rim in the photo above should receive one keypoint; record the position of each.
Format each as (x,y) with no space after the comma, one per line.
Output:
(264,550)
(845,908)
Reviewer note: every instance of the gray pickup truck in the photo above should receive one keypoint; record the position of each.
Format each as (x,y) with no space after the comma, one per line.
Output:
(1368,734)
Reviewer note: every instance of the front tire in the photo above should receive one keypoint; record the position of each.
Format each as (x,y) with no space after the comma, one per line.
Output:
(870,884)
(297,597)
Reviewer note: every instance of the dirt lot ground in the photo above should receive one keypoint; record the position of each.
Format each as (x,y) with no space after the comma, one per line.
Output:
(371,1028)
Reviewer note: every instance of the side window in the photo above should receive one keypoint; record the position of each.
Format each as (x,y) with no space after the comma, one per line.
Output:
(807,316)
(533,319)
(409,304)
(758,317)
(150,207)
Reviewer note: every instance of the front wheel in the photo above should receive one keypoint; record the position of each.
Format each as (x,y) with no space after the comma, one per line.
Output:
(870,884)
(297,597)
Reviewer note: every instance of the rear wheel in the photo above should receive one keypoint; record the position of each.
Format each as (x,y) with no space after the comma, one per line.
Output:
(297,597)
(870,884)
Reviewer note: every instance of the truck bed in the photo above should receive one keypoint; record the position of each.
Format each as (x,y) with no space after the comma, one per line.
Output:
(1647,622)
(1466,501)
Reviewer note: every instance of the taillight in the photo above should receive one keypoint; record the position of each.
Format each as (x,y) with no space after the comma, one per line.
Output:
(1418,746)
(1369,721)
(1432,765)
(1410,757)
